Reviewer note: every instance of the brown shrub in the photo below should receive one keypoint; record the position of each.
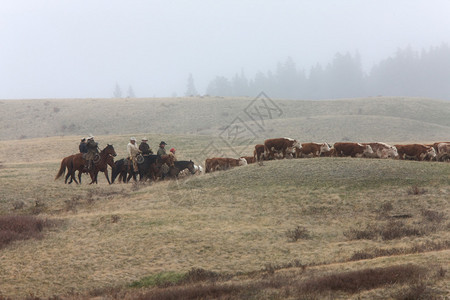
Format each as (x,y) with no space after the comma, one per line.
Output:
(415,291)
(415,190)
(419,248)
(197,291)
(354,281)
(398,229)
(297,233)
(14,228)
(433,216)
(393,229)
(199,274)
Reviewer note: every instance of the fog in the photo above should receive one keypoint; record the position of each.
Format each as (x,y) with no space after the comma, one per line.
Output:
(82,49)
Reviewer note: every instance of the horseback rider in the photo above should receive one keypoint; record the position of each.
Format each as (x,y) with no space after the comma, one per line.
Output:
(161,150)
(83,146)
(172,150)
(145,148)
(92,150)
(133,151)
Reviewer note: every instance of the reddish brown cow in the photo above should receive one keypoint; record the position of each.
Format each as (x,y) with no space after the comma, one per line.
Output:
(258,153)
(352,149)
(416,151)
(312,149)
(222,163)
(249,159)
(280,145)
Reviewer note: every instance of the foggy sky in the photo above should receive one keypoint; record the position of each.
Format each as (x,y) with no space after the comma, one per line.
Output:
(81,49)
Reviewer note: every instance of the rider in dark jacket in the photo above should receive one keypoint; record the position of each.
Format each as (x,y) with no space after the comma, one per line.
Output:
(83,147)
(145,148)
(92,147)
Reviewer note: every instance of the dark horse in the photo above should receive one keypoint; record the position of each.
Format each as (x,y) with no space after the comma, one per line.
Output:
(181,165)
(150,168)
(76,162)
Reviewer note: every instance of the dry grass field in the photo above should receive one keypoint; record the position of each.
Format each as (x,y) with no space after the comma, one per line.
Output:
(288,229)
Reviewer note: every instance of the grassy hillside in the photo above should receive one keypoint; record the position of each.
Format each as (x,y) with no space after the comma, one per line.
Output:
(292,219)
(393,119)
(273,231)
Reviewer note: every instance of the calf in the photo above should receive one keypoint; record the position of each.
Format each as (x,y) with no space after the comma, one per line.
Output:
(258,153)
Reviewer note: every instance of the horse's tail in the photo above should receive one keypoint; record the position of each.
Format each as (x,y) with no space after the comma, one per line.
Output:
(62,169)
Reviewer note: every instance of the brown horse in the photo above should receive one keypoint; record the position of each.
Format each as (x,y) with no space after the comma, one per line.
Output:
(78,164)
(66,163)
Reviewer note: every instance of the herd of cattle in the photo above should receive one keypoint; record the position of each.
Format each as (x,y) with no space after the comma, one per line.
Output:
(290,148)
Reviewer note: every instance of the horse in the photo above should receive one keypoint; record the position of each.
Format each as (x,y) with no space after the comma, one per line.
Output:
(78,164)
(66,163)
(181,165)
(124,170)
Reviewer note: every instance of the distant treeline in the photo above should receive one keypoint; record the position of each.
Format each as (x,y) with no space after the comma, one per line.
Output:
(407,73)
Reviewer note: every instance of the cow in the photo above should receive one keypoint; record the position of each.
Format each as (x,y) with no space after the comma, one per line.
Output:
(416,152)
(258,153)
(312,149)
(352,149)
(280,145)
(443,152)
(222,163)
(383,150)
(249,159)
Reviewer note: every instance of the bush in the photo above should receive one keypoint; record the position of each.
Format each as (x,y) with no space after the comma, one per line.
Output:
(297,233)
(13,228)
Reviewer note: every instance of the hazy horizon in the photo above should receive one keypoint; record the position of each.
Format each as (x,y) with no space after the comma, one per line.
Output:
(67,49)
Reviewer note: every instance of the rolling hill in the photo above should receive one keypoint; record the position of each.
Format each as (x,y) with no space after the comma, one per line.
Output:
(381,118)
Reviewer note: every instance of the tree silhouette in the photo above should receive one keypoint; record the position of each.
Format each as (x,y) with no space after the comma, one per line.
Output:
(130,92)
(191,90)
(117,91)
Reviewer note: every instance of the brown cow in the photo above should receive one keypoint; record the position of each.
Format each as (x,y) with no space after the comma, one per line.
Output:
(416,151)
(249,159)
(280,145)
(222,163)
(312,149)
(258,153)
(352,149)
(382,150)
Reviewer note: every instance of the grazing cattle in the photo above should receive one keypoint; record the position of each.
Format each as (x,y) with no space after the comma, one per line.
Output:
(249,159)
(416,151)
(258,153)
(221,163)
(443,152)
(280,145)
(312,149)
(352,149)
(382,150)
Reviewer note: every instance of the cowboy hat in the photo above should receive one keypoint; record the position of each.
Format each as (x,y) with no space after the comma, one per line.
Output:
(132,138)
(144,139)
(162,142)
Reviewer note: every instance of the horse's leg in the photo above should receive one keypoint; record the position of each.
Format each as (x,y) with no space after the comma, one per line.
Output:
(107,177)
